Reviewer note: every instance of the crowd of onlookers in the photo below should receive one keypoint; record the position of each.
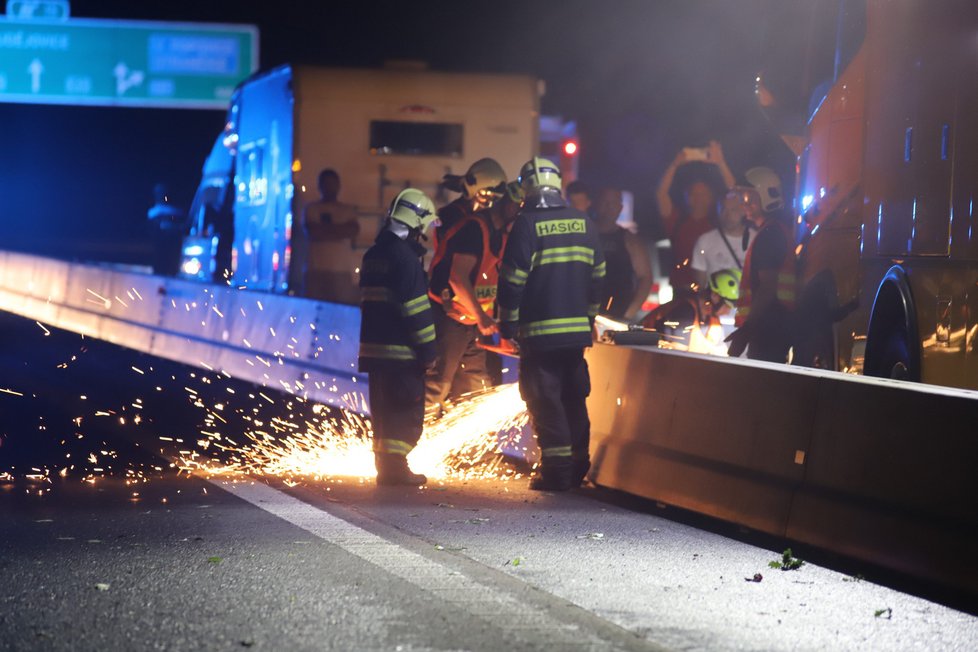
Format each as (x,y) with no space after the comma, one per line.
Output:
(711,231)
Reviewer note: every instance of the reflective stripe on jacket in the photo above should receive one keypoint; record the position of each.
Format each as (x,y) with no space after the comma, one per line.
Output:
(396,322)
(551,279)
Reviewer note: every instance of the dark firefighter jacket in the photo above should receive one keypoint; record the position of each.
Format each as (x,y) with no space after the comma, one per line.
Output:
(396,325)
(551,279)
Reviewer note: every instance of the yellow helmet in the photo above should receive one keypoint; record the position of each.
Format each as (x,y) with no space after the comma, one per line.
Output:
(539,173)
(413,208)
(726,283)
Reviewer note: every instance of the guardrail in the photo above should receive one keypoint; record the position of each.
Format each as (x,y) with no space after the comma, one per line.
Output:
(305,347)
(876,470)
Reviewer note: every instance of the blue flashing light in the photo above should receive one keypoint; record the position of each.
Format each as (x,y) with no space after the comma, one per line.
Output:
(879,225)
(913,219)
(806,202)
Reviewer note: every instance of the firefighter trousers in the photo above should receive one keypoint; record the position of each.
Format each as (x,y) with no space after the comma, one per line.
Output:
(397,407)
(770,336)
(461,364)
(555,386)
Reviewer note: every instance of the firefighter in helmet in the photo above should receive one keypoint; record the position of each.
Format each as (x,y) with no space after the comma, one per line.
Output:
(464,274)
(397,334)
(767,296)
(550,284)
(480,186)
(694,322)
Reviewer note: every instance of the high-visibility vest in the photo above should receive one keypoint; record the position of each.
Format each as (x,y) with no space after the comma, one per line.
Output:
(486,274)
(787,276)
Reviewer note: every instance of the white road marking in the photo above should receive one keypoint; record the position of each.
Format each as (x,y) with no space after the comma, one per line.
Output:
(440,581)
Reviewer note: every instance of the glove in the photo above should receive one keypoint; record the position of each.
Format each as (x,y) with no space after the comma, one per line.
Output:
(508,346)
(738,341)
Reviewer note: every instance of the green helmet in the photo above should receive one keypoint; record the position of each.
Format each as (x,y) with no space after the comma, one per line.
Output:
(413,208)
(726,283)
(484,181)
(539,173)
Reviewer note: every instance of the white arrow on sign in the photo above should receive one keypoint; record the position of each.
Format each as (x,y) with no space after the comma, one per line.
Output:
(35,69)
(126,79)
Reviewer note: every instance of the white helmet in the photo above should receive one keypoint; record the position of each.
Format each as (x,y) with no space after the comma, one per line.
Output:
(768,186)
(484,181)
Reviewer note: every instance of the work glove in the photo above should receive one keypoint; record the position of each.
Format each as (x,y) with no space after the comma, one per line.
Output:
(738,341)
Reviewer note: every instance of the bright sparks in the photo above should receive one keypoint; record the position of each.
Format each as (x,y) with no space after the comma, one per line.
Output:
(465,443)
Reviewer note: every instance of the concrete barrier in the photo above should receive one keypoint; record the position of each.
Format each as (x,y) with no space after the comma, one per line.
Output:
(875,470)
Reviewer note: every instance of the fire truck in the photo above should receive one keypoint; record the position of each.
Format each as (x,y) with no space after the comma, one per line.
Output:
(887,175)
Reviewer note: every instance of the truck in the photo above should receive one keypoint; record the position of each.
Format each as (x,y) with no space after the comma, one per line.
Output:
(381,129)
(887,173)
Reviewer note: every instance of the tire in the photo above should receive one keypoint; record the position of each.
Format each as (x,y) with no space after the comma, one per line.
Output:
(892,345)
(896,357)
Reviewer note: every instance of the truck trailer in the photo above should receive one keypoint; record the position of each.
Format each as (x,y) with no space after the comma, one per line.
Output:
(382,130)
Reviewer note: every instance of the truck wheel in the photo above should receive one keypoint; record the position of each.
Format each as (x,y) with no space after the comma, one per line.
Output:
(892,345)
(896,357)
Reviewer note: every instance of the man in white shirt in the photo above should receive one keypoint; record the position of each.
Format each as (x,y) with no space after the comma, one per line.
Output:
(724,247)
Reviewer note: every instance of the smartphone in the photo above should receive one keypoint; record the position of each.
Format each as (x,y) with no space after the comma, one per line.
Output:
(696,153)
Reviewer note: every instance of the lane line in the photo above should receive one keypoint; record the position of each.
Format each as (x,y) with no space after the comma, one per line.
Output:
(479,599)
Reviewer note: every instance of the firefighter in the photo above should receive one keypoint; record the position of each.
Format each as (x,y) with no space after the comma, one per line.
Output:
(464,273)
(695,322)
(550,285)
(480,187)
(767,296)
(397,334)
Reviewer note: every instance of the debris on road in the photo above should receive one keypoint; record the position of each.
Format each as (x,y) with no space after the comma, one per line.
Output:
(788,562)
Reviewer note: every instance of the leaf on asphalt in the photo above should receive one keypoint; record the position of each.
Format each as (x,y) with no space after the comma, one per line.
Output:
(439,547)
(516,561)
(214,560)
(101,587)
(788,562)
(757,578)
(884,613)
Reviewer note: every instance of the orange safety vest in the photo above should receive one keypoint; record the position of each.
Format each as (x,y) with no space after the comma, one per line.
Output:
(486,278)
(787,278)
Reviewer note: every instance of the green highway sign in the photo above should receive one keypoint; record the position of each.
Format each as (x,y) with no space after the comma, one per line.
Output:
(124,63)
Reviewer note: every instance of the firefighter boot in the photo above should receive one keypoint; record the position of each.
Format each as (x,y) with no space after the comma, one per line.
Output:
(580,468)
(393,470)
(553,477)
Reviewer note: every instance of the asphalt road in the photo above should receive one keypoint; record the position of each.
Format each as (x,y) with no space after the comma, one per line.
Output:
(125,553)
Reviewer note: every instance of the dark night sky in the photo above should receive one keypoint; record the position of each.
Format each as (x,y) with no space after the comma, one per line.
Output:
(643,78)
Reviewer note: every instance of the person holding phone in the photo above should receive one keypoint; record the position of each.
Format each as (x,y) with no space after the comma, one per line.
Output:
(686,223)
